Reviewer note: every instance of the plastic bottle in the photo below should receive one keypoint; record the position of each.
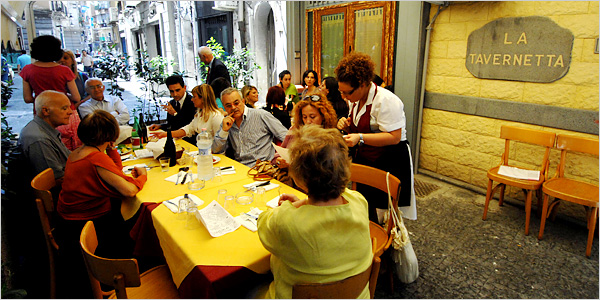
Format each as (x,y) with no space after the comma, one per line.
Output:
(170,150)
(205,161)
(136,142)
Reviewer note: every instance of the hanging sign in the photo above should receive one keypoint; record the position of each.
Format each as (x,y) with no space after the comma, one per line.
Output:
(533,49)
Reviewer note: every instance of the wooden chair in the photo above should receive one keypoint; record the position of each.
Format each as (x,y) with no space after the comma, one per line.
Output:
(377,178)
(531,136)
(349,288)
(155,283)
(572,190)
(42,184)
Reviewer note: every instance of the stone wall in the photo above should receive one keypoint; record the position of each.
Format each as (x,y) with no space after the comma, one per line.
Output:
(464,146)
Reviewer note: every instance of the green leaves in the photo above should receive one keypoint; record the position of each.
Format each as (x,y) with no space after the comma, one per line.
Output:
(240,63)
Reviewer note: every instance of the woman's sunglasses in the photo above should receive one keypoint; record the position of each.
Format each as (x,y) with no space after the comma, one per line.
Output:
(314,98)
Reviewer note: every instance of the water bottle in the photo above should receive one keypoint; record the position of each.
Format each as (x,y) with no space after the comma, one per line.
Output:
(205,161)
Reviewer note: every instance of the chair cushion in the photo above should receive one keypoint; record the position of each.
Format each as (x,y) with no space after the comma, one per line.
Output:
(520,183)
(157,283)
(572,190)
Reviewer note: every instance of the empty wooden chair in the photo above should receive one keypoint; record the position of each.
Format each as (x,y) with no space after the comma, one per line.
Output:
(155,283)
(572,190)
(530,136)
(377,178)
(349,288)
(42,184)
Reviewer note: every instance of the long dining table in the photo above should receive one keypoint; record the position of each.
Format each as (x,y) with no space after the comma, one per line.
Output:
(202,266)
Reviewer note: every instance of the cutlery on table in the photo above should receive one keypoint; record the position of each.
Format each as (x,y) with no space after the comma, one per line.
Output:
(258,185)
(185,169)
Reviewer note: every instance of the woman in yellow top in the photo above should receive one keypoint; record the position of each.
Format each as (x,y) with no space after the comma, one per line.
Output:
(325,237)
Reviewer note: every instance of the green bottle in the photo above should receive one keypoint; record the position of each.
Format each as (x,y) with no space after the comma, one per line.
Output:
(136,142)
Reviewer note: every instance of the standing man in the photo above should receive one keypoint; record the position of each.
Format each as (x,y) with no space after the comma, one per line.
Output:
(98,100)
(180,110)
(23,60)
(88,62)
(249,131)
(39,140)
(216,68)
(4,69)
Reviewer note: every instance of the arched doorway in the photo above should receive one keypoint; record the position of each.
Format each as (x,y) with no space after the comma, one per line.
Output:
(265,45)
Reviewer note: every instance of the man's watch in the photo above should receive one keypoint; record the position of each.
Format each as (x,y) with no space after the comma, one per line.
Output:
(361,141)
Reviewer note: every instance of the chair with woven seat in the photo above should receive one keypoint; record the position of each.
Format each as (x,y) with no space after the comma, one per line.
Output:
(155,283)
(377,178)
(42,184)
(348,288)
(572,190)
(531,136)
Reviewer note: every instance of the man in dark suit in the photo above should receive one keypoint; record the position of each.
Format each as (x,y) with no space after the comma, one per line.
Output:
(216,68)
(180,110)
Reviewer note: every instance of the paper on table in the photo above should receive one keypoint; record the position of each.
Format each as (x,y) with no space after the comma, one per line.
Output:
(217,220)
(128,169)
(253,185)
(142,153)
(173,204)
(515,172)
(249,219)
(283,152)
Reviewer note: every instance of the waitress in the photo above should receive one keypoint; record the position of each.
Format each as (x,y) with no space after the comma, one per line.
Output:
(377,128)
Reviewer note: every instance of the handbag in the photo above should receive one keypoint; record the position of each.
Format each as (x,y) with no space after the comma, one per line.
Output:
(403,254)
(264,170)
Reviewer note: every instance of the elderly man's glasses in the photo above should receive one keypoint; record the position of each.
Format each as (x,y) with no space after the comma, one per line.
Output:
(98,86)
(314,98)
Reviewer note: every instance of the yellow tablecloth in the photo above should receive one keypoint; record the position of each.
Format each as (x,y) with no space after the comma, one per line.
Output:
(186,248)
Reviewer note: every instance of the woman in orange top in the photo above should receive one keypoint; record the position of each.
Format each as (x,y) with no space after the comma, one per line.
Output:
(93,187)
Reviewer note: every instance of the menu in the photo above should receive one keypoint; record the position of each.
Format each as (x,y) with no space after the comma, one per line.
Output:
(217,220)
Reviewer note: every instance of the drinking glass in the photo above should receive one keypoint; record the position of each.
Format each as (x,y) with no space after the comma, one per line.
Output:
(244,198)
(221,196)
(191,221)
(217,175)
(260,193)
(183,207)
(164,163)
(229,204)
(196,185)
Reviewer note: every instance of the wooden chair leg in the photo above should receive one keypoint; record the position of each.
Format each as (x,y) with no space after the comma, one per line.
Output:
(544,216)
(488,197)
(528,211)
(591,229)
(501,197)
(540,202)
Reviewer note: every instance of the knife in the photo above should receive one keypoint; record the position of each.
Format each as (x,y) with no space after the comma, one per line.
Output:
(258,185)
(225,168)
(184,177)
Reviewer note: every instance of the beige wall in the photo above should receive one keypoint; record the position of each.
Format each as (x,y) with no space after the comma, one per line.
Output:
(463,146)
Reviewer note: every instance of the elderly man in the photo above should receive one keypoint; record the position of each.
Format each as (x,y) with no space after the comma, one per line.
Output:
(39,139)
(98,100)
(216,68)
(248,131)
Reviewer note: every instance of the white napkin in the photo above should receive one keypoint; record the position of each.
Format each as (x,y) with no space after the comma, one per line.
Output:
(143,153)
(253,185)
(128,169)
(228,171)
(172,178)
(124,133)
(249,219)
(273,202)
(515,172)
(157,148)
(173,204)
(126,157)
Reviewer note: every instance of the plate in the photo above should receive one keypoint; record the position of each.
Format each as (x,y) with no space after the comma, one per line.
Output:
(216,159)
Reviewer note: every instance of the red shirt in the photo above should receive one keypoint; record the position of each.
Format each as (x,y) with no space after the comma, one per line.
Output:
(47,78)
(84,194)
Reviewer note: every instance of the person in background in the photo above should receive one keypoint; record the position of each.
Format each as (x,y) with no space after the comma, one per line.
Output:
(180,110)
(99,101)
(45,73)
(93,188)
(216,68)
(69,132)
(250,94)
(330,88)
(276,105)
(207,115)
(68,60)
(39,140)
(4,69)
(248,131)
(310,82)
(23,60)
(377,127)
(88,62)
(312,110)
(219,85)
(285,81)
(304,236)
